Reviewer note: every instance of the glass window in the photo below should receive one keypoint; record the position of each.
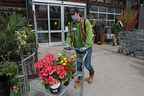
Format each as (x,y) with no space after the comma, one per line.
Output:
(102,9)
(102,16)
(108,1)
(118,11)
(100,0)
(110,16)
(55,18)
(93,16)
(81,10)
(96,16)
(41,17)
(105,22)
(43,37)
(93,8)
(110,23)
(111,10)
(56,37)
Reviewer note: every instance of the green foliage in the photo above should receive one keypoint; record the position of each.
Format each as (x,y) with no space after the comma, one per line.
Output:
(116,28)
(15,37)
(8,39)
(15,88)
(27,39)
(8,69)
(12,29)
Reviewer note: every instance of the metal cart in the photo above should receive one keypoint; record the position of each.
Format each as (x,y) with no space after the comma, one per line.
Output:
(132,43)
(37,89)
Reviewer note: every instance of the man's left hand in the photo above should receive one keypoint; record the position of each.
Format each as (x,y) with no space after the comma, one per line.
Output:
(83,49)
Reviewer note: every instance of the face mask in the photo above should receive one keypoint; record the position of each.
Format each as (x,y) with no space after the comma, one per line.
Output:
(74,18)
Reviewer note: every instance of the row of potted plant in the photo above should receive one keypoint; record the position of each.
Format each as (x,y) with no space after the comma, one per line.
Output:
(15,37)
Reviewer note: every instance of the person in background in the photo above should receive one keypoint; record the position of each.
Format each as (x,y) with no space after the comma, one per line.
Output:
(116,28)
(100,30)
(83,39)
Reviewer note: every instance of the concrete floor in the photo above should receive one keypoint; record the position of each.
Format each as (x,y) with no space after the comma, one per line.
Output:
(116,74)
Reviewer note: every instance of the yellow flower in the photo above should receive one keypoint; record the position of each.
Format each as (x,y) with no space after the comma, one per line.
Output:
(64,63)
(65,58)
(61,61)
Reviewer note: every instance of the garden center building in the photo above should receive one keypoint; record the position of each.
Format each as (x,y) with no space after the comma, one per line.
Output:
(49,16)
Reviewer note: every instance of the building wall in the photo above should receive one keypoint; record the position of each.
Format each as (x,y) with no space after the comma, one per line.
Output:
(13,3)
(105,10)
(8,7)
(114,3)
(101,13)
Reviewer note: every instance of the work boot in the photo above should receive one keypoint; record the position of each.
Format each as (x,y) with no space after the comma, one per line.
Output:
(89,79)
(77,83)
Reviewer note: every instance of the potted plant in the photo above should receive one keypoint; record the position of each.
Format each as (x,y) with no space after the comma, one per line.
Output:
(27,40)
(8,71)
(9,49)
(9,52)
(54,72)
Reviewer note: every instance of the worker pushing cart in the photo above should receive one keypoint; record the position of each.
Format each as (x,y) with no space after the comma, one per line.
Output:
(75,86)
(80,40)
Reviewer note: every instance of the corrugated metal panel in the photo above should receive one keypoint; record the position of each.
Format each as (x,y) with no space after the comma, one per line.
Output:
(141,18)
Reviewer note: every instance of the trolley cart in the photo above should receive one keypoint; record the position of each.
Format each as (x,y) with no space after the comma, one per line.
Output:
(81,56)
(38,89)
(132,43)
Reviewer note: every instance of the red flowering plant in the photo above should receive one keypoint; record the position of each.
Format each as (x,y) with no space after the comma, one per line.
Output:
(51,71)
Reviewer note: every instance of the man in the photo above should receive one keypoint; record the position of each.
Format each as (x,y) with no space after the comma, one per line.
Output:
(116,28)
(83,39)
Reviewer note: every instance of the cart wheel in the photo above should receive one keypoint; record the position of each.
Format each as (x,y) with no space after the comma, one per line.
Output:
(126,51)
(119,50)
(133,54)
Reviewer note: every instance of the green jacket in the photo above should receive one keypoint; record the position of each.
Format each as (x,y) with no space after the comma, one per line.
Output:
(116,28)
(78,42)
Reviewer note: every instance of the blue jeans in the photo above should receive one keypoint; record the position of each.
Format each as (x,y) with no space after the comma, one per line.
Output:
(87,62)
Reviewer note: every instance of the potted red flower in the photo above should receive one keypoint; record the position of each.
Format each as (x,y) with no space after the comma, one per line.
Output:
(52,73)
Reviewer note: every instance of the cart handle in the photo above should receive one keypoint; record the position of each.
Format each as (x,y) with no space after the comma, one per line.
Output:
(77,49)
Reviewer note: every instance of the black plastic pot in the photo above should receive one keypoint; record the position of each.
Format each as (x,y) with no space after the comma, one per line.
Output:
(4,86)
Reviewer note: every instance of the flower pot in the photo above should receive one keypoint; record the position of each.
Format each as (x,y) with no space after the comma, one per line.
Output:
(55,89)
(4,86)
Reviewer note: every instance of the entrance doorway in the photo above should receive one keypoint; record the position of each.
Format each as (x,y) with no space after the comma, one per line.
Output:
(50,19)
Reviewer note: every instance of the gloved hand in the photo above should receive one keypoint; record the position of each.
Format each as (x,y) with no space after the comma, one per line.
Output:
(81,50)
(67,47)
